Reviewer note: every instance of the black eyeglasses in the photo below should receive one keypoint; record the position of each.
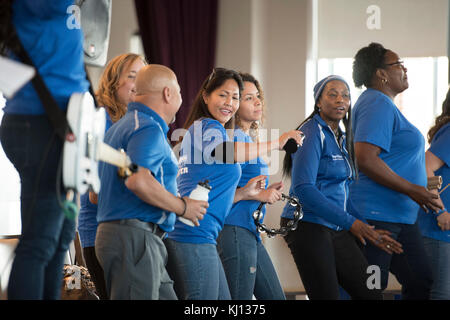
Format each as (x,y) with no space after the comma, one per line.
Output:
(399,62)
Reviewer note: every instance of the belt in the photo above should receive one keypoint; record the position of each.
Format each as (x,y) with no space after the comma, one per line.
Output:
(147,226)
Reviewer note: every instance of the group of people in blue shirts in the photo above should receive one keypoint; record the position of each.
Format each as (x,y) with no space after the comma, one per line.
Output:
(360,174)
(224,258)
(130,242)
(371,182)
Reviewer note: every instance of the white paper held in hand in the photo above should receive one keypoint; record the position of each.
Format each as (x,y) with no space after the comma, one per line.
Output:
(13,76)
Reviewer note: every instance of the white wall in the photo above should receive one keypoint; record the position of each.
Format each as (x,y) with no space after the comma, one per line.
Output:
(413,28)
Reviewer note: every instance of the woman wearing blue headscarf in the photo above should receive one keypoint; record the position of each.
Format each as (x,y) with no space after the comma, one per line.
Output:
(325,245)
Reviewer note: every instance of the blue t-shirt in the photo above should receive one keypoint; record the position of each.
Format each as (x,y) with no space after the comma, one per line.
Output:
(142,134)
(379,122)
(321,175)
(87,218)
(197,164)
(56,51)
(440,147)
(241,213)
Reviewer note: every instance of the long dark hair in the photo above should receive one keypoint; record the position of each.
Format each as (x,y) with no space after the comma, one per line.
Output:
(442,119)
(199,109)
(7,31)
(347,121)
(366,62)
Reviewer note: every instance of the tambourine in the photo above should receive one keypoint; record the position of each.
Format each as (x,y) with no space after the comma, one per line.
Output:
(290,226)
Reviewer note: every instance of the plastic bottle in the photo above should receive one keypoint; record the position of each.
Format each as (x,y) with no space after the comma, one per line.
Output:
(201,192)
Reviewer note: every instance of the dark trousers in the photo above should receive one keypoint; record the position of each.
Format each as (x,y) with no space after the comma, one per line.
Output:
(95,271)
(30,143)
(327,259)
(412,268)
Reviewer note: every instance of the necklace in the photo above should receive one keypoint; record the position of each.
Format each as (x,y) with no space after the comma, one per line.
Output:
(331,125)
(336,132)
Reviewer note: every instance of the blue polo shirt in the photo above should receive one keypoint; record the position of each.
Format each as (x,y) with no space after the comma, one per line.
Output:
(321,175)
(241,213)
(87,217)
(379,122)
(55,50)
(142,134)
(197,164)
(440,147)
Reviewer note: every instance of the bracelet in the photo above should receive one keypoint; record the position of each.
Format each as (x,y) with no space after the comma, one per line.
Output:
(185,207)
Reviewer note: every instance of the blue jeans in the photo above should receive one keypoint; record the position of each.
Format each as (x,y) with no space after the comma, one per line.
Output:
(412,268)
(31,145)
(439,254)
(197,271)
(248,266)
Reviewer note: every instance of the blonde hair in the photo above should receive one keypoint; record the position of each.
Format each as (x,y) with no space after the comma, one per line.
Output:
(254,127)
(109,83)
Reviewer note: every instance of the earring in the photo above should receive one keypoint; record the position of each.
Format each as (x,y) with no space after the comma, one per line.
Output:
(384,81)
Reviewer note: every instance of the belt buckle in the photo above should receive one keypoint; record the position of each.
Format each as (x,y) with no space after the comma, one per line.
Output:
(158,231)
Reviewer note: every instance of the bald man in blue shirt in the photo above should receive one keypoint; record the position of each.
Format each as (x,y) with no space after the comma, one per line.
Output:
(135,216)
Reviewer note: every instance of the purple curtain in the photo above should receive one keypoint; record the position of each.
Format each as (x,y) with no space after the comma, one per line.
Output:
(181,35)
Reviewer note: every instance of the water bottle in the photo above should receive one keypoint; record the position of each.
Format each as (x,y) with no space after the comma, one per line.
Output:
(200,192)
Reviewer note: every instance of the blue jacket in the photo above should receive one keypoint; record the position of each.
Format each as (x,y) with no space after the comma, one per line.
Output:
(321,175)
